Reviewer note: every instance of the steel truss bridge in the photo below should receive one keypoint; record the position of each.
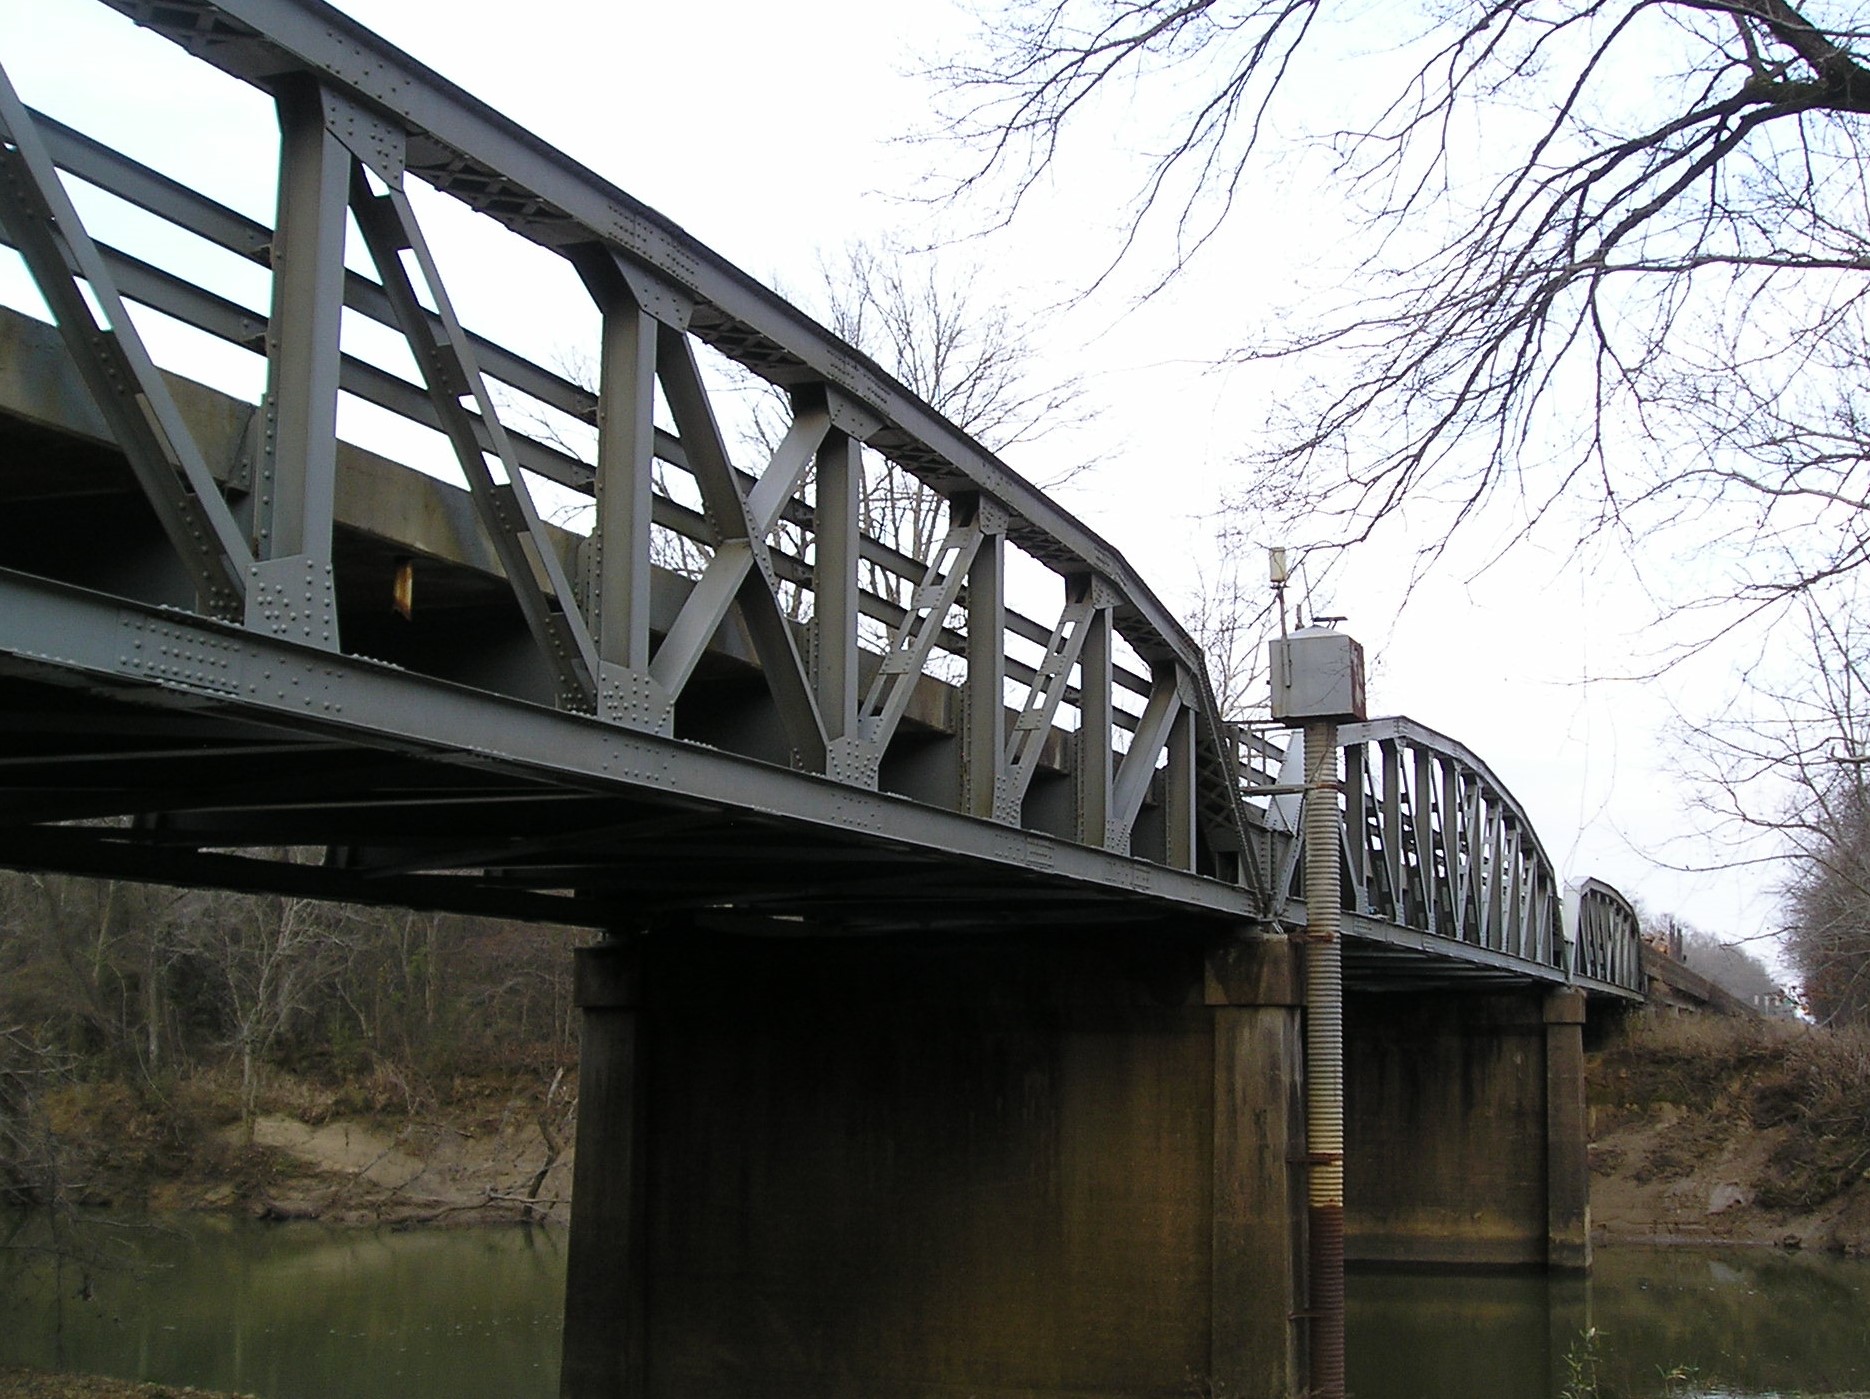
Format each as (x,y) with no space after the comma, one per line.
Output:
(606,665)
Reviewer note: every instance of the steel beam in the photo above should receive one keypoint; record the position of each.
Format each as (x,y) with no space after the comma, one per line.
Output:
(1092,766)
(741,561)
(110,356)
(295,476)
(836,518)
(1044,693)
(179,660)
(745,567)
(505,507)
(983,692)
(1138,768)
(618,553)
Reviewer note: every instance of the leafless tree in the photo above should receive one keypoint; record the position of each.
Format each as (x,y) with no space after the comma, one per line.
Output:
(924,319)
(1615,257)
(1232,615)
(1828,913)
(270,958)
(968,355)
(85,963)
(1785,771)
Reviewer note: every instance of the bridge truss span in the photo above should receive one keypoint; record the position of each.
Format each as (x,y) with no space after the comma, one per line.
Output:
(1604,935)
(1442,868)
(760,599)
(602,649)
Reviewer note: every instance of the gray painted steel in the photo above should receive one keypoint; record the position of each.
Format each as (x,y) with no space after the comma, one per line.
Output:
(747,702)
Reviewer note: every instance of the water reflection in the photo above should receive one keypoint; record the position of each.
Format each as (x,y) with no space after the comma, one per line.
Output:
(1760,1322)
(291,1311)
(300,1311)
(1665,1322)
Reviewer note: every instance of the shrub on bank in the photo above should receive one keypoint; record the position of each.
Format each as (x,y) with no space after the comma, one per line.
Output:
(1809,1087)
(1820,1092)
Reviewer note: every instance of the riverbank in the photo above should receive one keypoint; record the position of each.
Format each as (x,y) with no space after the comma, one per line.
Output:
(1708,1130)
(486,1149)
(1705,1130)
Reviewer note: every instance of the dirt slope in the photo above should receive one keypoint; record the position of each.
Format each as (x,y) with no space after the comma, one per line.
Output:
(1721,1131)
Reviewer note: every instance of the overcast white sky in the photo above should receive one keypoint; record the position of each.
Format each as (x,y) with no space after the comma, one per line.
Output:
(771,133)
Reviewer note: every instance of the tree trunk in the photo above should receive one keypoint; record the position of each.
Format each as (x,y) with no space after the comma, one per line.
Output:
(248,1091)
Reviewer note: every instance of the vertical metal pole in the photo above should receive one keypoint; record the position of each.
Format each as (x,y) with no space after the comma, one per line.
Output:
(836,509)
(626,447)
(298,466)
(983,738)
(1094,718)
(1324,1060)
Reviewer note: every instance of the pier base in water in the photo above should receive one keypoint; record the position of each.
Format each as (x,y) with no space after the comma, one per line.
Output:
(996,1166)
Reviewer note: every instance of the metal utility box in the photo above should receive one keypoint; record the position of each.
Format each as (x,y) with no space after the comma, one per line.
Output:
(1317,673)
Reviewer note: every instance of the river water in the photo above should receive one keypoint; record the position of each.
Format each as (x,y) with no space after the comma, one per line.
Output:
(305,1312)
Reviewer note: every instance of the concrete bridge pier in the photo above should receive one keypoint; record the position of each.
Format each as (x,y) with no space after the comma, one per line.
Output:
(1257,991)
(1000,1164)
(606,1257)
(1466,1129)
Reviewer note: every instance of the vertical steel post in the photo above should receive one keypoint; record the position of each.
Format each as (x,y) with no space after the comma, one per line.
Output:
(1094,719)
(836,527)
(298,462)
(1179,806)
(626,447)
(292,592)
(983,738)
(1324,1060)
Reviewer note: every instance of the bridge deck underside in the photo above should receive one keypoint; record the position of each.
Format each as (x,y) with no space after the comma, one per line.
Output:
(512,810)
(126,779)
(143,781)
(1390,959)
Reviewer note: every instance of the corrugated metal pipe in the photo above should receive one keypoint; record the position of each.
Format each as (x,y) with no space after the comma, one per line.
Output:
(1324,1060)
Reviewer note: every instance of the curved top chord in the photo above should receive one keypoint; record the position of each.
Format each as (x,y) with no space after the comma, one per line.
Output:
(1415,735)
(1436,845)
(462,146)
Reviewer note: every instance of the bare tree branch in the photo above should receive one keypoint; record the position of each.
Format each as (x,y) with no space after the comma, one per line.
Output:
(1549,332)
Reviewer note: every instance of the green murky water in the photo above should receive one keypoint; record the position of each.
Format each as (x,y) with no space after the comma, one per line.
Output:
(300,1311)
(1663,1322)
(297,1311)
